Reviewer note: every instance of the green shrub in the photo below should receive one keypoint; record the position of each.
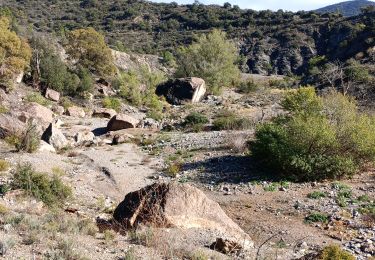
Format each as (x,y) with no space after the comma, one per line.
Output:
(316,217)
(3,109)
(321,138)
(27,141)
(50,190)
(138,88)
(248,86)
(113,103)
(195,118)
(334,252)
(4,165)
(317,195)
(227,120)
(212,58)
(38,98)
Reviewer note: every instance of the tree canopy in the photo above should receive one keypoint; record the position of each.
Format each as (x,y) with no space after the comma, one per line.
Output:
(89,49)
(212,58)
(15,53)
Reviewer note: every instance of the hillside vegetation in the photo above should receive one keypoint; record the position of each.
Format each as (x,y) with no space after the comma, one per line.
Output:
(347,8)
(269,42)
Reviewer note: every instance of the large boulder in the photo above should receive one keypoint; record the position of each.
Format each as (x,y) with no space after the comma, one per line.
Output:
(176,205)
(53,136)
(104,112)
(75,111)
(121,121)
(10,125)
(39,112)
(184,90)
(52,95)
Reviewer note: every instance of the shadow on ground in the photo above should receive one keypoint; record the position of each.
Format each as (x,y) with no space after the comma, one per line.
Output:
(229,169)
(99,131)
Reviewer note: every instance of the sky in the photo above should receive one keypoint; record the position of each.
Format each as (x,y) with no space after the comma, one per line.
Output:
(290,5)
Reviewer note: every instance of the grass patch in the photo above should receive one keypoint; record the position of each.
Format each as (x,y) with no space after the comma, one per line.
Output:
(3,109)
(227,120)
(113,103)
(334,252)
(38,98)
(51,190)
(4,165)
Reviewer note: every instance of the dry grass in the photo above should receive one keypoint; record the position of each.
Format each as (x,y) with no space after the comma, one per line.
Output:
(237,143)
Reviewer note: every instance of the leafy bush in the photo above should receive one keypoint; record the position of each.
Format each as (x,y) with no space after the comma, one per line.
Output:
(317,195)
(195,118)
(113,103)
(248,86)
(138,88)
(212,58)
(50,190)
(334,252)
(15,53)
(227,120)
(3,109)
(321,138)
(38,98)
(89,49)
(4,165)
(27,141)
(316,217)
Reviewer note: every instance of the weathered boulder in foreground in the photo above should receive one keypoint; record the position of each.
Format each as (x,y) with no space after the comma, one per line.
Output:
(104,112)
(52,95)
(53,136)
(176,205)
(121,121)
(10,125)
(184,90)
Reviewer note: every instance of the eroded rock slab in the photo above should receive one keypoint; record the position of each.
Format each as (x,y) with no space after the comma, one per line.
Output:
(176,205)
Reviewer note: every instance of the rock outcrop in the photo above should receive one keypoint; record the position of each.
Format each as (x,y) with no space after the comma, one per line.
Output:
(104,112)
(52,95)
(176,205)
(121,121)
(75,111)
(53,136)
(184,90)
(10,125)
(33,110)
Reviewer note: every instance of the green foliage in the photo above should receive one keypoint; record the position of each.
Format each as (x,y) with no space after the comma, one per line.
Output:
(321,138)
(26,141)
(248,86)
(168,59)
(113,103)
(50,190)
(317,195)
(4,165)
(37,98)
(212,58)
(49,70)
(316,217)
(227,120)
(138,88)
(15,53)
(89,49)
(334,252)
(195,118)
(3,109)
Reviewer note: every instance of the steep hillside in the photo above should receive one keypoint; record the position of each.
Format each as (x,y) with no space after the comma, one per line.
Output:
(270,42)
(348,8)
